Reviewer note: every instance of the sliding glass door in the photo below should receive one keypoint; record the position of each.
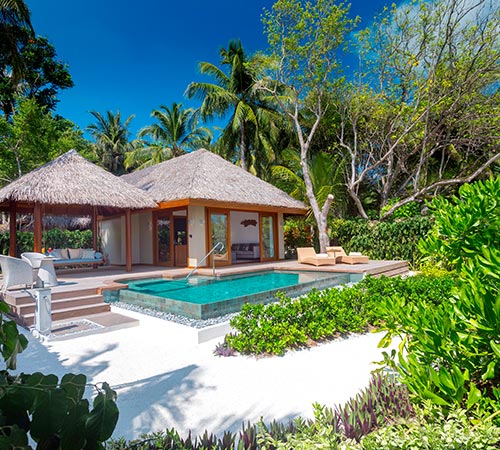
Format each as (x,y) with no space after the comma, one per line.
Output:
(268,236)
(219,233)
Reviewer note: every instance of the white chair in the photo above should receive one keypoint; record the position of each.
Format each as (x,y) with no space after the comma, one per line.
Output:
(35,259)
(16,272)
(43,268)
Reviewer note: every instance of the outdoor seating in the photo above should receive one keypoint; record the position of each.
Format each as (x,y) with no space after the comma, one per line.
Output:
(16,272)
(43,268)
(307,255)
(351,258)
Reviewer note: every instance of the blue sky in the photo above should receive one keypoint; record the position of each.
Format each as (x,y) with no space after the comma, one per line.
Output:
(136,56)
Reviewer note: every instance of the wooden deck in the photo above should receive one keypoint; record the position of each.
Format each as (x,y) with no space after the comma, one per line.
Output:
(79,293)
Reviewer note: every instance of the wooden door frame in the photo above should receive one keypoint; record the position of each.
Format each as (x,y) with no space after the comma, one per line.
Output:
(161,213)
(274,217)
(208,235)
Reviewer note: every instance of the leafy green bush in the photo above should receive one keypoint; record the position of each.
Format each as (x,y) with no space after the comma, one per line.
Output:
(276,327)
(297,233)
(451,351)
(54,238)
(395,240)
(452,432)
(52,413)
(465,224)
(288,323)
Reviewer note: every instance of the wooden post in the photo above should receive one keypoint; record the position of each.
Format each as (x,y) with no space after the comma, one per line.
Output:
(95,228)
(12,229)
(128,240)
(37,228)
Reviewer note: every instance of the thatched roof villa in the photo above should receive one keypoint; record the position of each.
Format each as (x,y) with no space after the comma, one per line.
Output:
(204,199)
(169,214)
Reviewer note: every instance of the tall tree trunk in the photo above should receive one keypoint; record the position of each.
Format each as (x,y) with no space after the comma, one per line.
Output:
(243,147)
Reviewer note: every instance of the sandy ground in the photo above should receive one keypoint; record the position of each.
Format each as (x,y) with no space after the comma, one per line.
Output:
(165,379)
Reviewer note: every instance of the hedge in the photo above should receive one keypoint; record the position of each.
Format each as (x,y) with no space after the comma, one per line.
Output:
(389,240)
(54,238)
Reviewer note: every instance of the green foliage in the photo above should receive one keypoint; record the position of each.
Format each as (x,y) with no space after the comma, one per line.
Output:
(32,137)
(276,327)
(52,413)
(464,224)
(452,432)
(451,350)
(450,353)
(40,74)
(397,240)
(288,323)
(54,238)
(296,234)
(409,210)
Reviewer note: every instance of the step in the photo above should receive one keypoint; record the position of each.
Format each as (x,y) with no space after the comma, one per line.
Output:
(65,303)
(18,298)
(71,313)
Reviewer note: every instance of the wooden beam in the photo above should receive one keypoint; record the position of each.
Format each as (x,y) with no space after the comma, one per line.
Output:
(12,229)
(128,240)
(37,227)
(95,228)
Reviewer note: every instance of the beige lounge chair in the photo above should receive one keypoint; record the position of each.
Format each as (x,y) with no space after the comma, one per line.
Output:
(307,255)
(341,256)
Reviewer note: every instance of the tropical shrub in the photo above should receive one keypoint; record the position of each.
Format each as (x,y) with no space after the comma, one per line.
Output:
(464,224)
(297,233)
(288,323)
(389,240)
(50,412)
(319,315)
(54,238)
(451,432)
(451,351)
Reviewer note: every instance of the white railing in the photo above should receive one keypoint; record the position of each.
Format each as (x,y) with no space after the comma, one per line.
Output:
(218,246)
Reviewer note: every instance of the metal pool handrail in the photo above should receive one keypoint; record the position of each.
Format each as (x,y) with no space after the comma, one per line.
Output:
(219,246)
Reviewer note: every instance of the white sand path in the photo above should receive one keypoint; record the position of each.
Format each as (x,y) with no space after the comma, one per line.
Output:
(164,379)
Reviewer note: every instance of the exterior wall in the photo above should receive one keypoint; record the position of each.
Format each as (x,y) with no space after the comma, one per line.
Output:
(241,234)
(196,235)
(281,236)
(111,237)
(145,238)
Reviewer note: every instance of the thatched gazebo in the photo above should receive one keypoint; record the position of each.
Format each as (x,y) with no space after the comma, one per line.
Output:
(71,185)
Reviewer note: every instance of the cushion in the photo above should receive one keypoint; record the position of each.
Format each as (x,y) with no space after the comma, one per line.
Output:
(88,253)
(60,253)
(98,255)
(322,255)
(75,253)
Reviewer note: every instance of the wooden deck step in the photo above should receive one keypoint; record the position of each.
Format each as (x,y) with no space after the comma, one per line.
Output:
(64,303)
(70,313)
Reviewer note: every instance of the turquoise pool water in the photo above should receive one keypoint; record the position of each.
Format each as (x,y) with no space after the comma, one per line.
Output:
(205,297)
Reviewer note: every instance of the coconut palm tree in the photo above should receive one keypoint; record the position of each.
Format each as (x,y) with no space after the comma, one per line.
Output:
(233,94)
(14,22)
(175,133)
(111,140)
(327,176)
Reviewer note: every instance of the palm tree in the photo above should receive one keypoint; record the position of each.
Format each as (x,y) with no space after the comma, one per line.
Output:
(327,176)
(175,133)
(232,93)
(14,22)
(111,140)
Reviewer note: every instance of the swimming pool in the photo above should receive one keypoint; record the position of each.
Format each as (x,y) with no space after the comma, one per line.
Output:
(206,297)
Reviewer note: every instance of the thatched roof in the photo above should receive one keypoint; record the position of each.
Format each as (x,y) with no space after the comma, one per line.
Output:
(203,175)
(72,180)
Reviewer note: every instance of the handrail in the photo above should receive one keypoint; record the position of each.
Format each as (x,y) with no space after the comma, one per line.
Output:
(220,246)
